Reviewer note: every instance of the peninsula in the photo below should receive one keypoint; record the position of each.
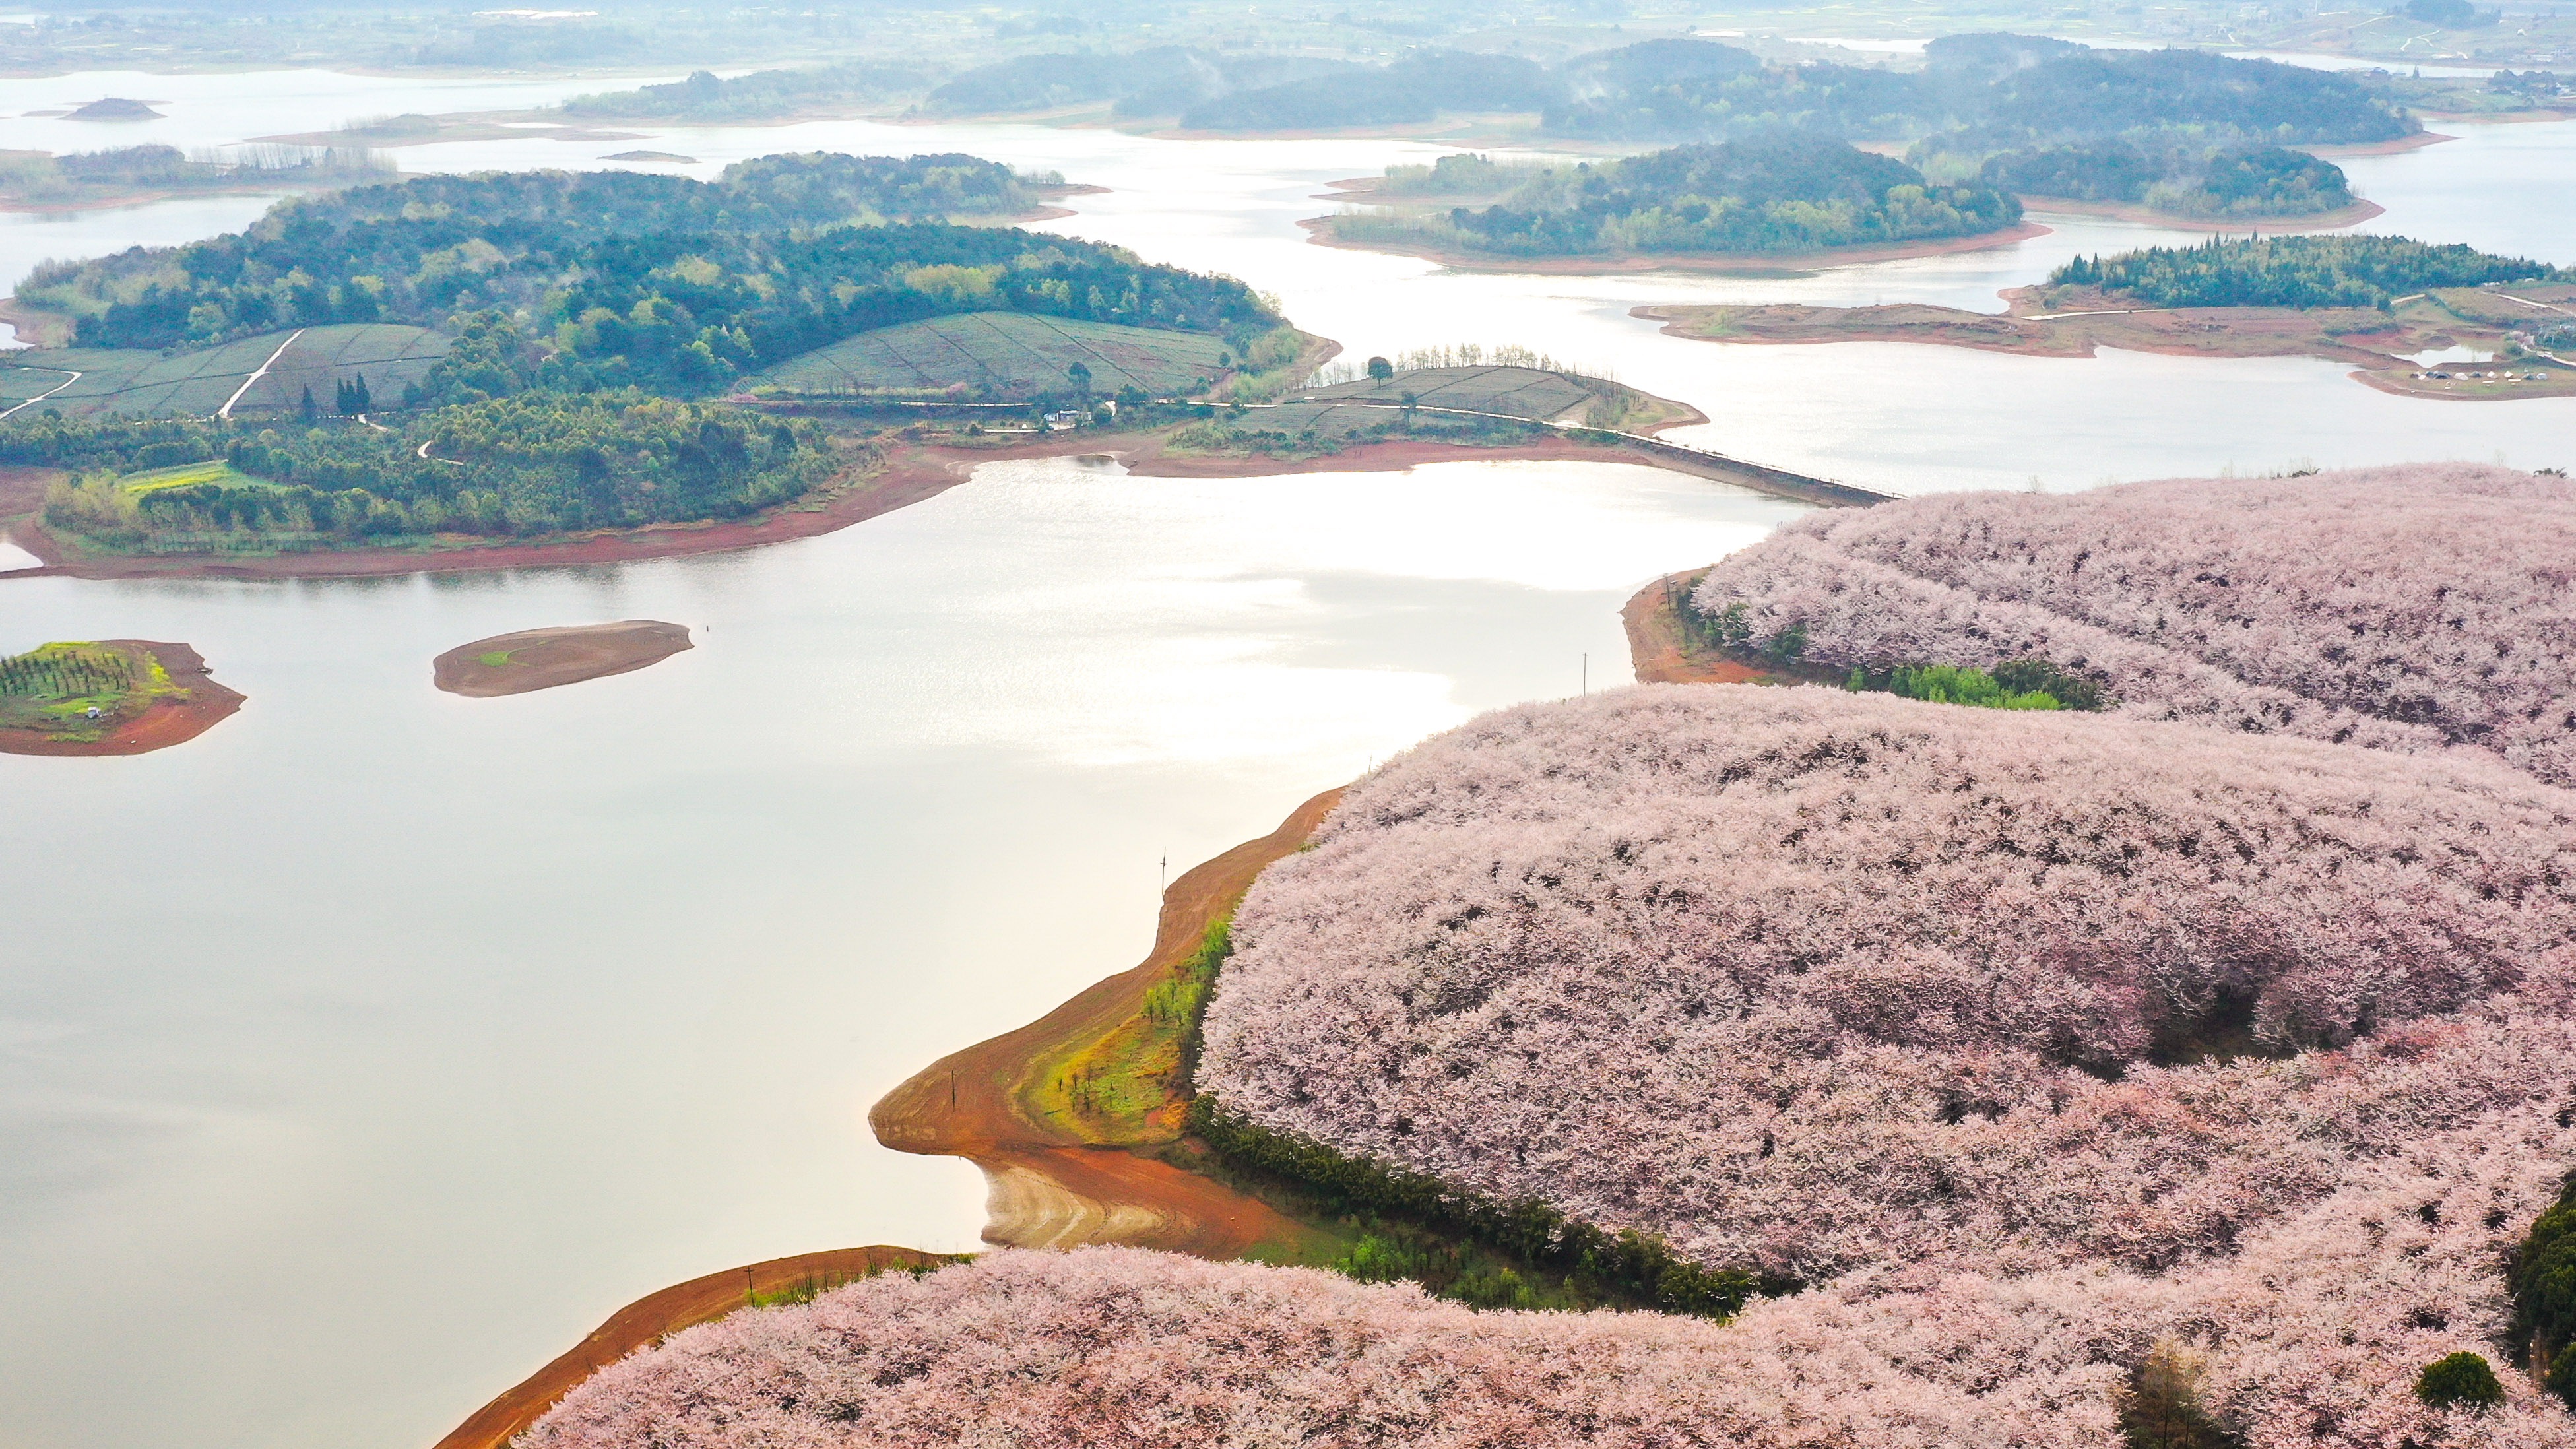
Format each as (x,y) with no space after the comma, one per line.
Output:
(2380,304)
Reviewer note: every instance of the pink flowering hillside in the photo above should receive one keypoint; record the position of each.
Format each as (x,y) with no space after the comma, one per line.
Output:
(2310,1334)
(2404,608)
(1809,981)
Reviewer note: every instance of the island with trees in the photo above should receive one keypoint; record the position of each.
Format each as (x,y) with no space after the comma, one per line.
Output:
(2375,302)
(510,368)
(107,697)
(1714,205)
(464,367)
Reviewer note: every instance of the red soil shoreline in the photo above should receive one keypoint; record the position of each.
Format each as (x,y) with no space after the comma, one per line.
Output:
(1052,1186)
(1319,230)
(1049,1187)
(656,1316)
(165,723)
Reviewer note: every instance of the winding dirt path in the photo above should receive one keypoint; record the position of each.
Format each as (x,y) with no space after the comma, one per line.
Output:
(1052,1183)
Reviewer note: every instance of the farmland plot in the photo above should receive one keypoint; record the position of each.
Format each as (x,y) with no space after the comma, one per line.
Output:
(1520,392)
(141,383)
(1003,355)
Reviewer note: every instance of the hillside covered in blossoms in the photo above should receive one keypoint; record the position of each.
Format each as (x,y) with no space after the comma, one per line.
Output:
(2060,1077)
(2402,608)
(2308,1333)
(1845,988)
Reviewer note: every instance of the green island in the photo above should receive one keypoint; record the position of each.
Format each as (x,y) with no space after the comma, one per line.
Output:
(106,697)
(78,692)
(456,360)
(456,370)
(41,181)
(1733,199)
(2377,303)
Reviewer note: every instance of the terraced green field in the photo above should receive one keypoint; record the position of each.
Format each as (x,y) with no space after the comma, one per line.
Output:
(1520,392)
(1001,356)
(142,384)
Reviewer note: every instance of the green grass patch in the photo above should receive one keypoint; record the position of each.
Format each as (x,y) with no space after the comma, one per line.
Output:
(213,470)
(807,1289)
(1130,1085)
(495,659)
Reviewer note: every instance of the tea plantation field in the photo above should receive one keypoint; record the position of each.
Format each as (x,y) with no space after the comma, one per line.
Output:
(143,383)
(1520,392)
(1001,355)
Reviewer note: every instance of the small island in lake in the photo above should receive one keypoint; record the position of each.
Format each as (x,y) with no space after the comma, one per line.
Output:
(1721,207)
(107,697)
(534,659)
(2379,303)
(114,108)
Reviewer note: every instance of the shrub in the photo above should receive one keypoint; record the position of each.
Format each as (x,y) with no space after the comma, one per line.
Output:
(2162,1408)
(2543,1284)
(2462,1379)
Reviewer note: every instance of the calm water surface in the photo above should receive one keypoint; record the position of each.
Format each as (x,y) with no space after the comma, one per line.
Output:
(360,1055)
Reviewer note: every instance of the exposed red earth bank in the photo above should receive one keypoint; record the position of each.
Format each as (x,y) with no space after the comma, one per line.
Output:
(1051,1185)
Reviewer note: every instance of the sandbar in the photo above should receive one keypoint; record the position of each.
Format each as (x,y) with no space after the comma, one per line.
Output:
(534,659)
(171,720)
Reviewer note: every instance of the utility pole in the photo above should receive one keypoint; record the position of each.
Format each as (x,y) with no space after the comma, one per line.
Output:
(1163,881)
(1587,672)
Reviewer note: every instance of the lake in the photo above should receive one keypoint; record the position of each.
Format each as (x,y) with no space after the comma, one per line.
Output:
(359,1056)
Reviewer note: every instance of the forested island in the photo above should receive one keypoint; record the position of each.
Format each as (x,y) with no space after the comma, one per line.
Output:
(2300,272)
(2374,302)
(1736,198)
(37,181)
(520,355)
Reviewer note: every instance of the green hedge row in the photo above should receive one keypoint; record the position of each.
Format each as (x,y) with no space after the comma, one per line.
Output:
(1637,1265)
